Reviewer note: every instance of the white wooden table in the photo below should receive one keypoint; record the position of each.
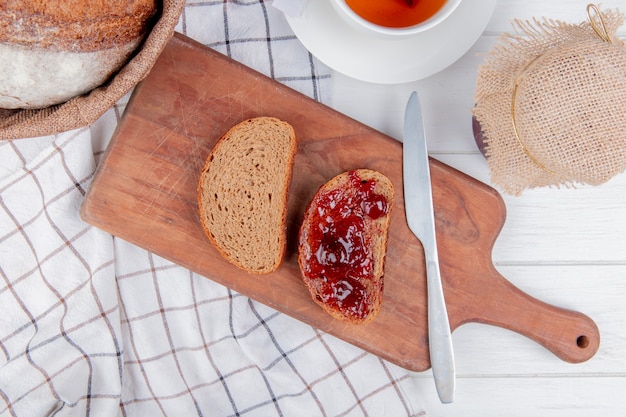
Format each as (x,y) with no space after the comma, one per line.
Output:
(563,246)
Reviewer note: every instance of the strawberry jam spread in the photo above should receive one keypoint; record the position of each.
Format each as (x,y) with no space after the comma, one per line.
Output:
(340,256)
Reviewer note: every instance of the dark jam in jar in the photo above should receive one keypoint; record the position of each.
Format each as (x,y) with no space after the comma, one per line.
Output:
(340,255)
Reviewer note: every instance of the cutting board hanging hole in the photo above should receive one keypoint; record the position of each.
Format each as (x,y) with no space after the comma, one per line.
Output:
(582,342)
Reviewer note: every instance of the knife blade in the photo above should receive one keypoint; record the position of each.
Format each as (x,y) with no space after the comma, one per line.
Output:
(420,216)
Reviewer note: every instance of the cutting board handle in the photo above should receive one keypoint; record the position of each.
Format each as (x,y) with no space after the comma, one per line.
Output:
(570,335)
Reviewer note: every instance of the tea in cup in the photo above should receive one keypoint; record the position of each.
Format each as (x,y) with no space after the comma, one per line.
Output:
(395,17)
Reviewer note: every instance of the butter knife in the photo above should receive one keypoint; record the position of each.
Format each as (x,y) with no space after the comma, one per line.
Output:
(420,216)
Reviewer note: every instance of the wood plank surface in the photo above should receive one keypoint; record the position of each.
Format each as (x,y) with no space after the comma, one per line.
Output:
(563,246)
(145,192)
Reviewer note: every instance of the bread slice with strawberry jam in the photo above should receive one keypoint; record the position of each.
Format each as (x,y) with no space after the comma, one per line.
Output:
(343,244)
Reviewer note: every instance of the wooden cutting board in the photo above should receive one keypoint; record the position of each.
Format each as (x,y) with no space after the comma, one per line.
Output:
(145,192)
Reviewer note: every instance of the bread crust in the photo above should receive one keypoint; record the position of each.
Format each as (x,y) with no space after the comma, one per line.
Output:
(276,234)
(54,50)
(74,25)
(376,232)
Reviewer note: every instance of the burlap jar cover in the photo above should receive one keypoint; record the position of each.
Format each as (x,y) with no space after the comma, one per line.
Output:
(551,103)
(84,110)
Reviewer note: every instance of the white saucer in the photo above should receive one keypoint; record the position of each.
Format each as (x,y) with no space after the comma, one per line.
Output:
(389,61)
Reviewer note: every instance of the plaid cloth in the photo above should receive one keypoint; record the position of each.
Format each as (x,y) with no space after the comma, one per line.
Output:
(92,325)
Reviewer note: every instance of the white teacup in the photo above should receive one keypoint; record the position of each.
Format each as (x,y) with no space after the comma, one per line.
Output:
(361,23)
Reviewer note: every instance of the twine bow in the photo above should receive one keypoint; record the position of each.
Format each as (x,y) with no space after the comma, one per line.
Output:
(601,28)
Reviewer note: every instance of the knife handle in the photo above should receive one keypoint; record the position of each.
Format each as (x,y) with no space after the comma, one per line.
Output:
(439,332)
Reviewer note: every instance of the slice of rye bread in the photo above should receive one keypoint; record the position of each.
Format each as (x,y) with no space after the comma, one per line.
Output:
(242,193)
(346,283)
